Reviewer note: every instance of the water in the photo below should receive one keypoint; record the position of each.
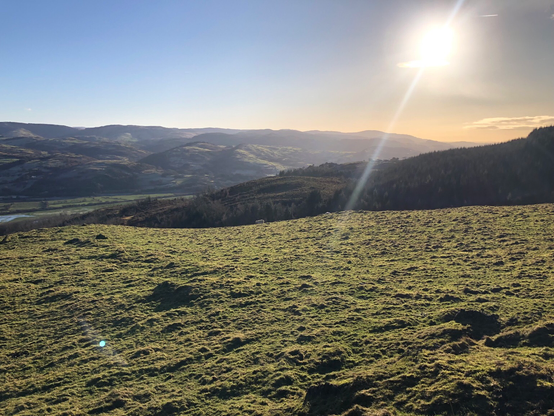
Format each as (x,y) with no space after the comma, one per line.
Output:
(8,218)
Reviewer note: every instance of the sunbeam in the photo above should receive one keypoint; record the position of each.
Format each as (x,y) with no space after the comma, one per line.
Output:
(369,167)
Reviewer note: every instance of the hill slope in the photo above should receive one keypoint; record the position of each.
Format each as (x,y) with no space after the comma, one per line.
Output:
(519,171)
(235,164)
(228,156)
(50,131)
(357,146)
(516,172)
(429,312)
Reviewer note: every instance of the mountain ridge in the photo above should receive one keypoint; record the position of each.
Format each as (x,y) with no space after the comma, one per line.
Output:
(236,156)
(114,131)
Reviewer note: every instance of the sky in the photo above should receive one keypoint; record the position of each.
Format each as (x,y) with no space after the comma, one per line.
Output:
(341,65)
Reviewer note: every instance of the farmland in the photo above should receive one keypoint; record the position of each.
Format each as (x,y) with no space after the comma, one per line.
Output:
(40,208)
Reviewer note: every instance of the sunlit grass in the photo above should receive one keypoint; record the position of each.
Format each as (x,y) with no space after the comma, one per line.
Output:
(414,312)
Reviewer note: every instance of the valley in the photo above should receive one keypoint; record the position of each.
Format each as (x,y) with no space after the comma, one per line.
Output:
(45,161)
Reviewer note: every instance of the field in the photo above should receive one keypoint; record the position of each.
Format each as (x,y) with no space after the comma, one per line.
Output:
(68,206)
(93,202)
(444,312)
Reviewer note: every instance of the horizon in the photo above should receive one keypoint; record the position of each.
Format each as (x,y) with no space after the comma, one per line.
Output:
(240,130)
(459,70)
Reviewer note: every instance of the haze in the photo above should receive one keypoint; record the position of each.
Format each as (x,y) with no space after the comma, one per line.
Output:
(304,65)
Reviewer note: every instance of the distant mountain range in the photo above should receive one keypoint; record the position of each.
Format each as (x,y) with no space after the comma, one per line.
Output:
(43,160)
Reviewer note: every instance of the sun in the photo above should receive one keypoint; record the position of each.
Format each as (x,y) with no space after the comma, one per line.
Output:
(436,46)
(434,50)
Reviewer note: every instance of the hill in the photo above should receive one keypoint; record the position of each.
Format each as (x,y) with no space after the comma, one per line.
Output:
(43,174)
(158,139)
(359,146)
(379,313)
(152,159)
(97,148)
(49,131)
(41,168)
(516,172)
(235,164)
(293,194)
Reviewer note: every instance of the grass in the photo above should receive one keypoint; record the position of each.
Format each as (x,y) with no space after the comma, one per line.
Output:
(37,205)
(32,213)
(418,312)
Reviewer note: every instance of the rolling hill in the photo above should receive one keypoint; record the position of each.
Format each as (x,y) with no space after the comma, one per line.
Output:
(158,139)
(143,159)
(516,172)
(101,149)
(48,131)
(436,312)
(238,163)
(361,146)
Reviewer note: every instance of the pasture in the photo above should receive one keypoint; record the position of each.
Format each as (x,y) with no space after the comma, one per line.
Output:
(446,312)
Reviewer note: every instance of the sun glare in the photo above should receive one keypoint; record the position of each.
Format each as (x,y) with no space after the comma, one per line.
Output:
(435,48)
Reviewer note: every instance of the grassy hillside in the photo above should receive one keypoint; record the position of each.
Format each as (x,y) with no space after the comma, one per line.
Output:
(8,129)
(355,146)
(101,149)
(445,312)
(516,172)
(37,167)
(273,198)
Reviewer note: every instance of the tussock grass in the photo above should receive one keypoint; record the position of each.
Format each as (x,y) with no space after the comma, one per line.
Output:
(359,313)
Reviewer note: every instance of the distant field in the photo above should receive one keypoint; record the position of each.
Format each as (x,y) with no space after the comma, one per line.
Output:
(50,207)
(443,312)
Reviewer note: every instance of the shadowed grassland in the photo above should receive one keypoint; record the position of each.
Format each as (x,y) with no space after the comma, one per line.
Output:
(446,312)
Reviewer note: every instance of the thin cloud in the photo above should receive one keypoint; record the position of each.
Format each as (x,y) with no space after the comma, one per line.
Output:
(552,17)
(488,15)
(29,109)
(510,123)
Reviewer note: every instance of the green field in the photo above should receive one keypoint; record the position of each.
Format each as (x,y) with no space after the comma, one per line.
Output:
(93,202)
(444,312)
(36,209)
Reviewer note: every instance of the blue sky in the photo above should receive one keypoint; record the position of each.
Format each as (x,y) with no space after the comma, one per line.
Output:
(302,64)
